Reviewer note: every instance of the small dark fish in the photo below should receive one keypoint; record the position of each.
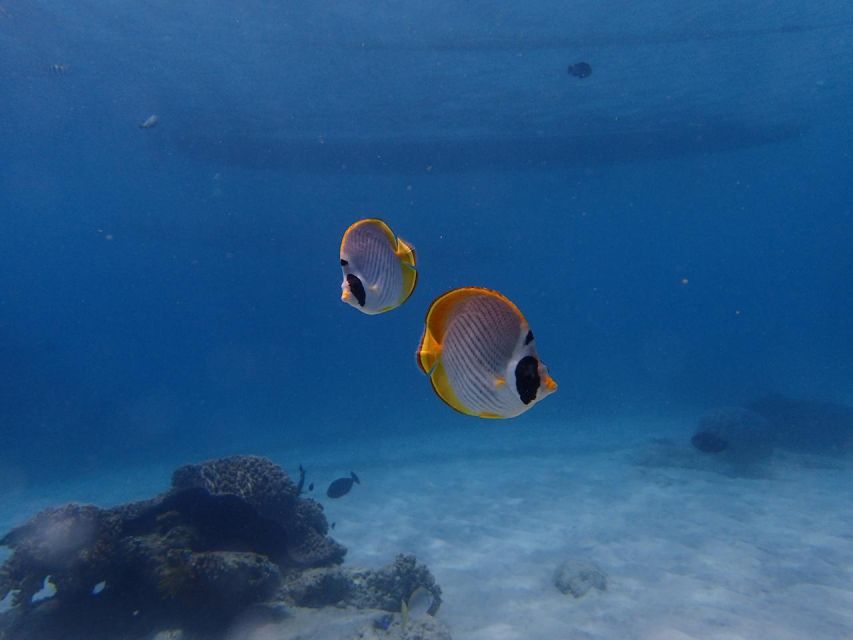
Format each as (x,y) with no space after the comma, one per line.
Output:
(342,486)
(708,442)
(580,70)
(333,525)
(311,487)
(301,482)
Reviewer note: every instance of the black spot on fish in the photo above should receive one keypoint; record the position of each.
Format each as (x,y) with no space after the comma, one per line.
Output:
(708,442)
(342,486)
(580,70)
(527,379)
(344,262)
(529,338)
(357,289)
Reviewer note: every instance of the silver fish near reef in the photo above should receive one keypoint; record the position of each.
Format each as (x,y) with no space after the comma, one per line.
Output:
(152,121)
(480,356)
(378,267)
(421,603)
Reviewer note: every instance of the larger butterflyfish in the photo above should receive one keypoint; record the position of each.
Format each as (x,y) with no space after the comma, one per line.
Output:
(480,355)
(379,268)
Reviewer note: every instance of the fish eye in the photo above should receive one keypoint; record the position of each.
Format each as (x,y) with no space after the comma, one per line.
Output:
(357,289)
(527,378)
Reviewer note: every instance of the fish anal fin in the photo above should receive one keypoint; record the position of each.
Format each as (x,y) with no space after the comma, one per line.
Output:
(441,385)
(490,415)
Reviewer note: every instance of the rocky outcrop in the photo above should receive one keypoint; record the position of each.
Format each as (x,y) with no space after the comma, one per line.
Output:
(576,577)
(228,535)
(384,588)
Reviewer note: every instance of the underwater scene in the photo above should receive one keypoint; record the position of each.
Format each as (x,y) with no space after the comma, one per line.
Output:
(416,321)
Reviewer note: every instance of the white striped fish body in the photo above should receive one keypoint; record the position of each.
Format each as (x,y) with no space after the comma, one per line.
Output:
(379,268)
(479,352)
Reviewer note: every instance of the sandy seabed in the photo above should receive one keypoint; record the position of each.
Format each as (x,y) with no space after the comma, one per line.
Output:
(689,553)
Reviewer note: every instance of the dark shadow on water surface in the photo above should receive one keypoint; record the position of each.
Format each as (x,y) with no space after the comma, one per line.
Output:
(250,149)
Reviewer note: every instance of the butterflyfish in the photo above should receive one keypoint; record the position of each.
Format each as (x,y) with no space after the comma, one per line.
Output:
(379,268)
(480,355)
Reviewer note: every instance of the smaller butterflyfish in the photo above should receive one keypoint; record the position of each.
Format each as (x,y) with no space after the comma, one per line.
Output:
(379,268)
(420,603)
(150,122)
(480,355)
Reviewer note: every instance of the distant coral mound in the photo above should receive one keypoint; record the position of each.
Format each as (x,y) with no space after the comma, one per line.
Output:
(809,426)
(741,435)
(230,534)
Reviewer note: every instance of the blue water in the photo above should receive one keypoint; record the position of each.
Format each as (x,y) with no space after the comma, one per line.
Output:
(676,228)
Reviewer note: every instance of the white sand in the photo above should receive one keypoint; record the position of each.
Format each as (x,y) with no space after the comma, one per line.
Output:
(492,511)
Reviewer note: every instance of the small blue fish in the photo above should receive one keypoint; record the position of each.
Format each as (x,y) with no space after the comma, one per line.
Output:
(342,486)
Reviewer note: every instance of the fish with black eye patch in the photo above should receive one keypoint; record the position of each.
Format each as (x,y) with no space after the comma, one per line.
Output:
(580,70)
(480,355)
(378,267)
(342,486)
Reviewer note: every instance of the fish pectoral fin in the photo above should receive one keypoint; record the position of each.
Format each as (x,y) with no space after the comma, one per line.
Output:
(428,353)
(500,381)
(374,288)
(410,280)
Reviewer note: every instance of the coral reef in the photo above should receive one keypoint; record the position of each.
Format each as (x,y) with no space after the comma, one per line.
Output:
(268,489)
(384,589)
(228,535)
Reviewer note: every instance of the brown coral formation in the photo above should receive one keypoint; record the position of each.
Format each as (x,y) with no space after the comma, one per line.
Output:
(229,534)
